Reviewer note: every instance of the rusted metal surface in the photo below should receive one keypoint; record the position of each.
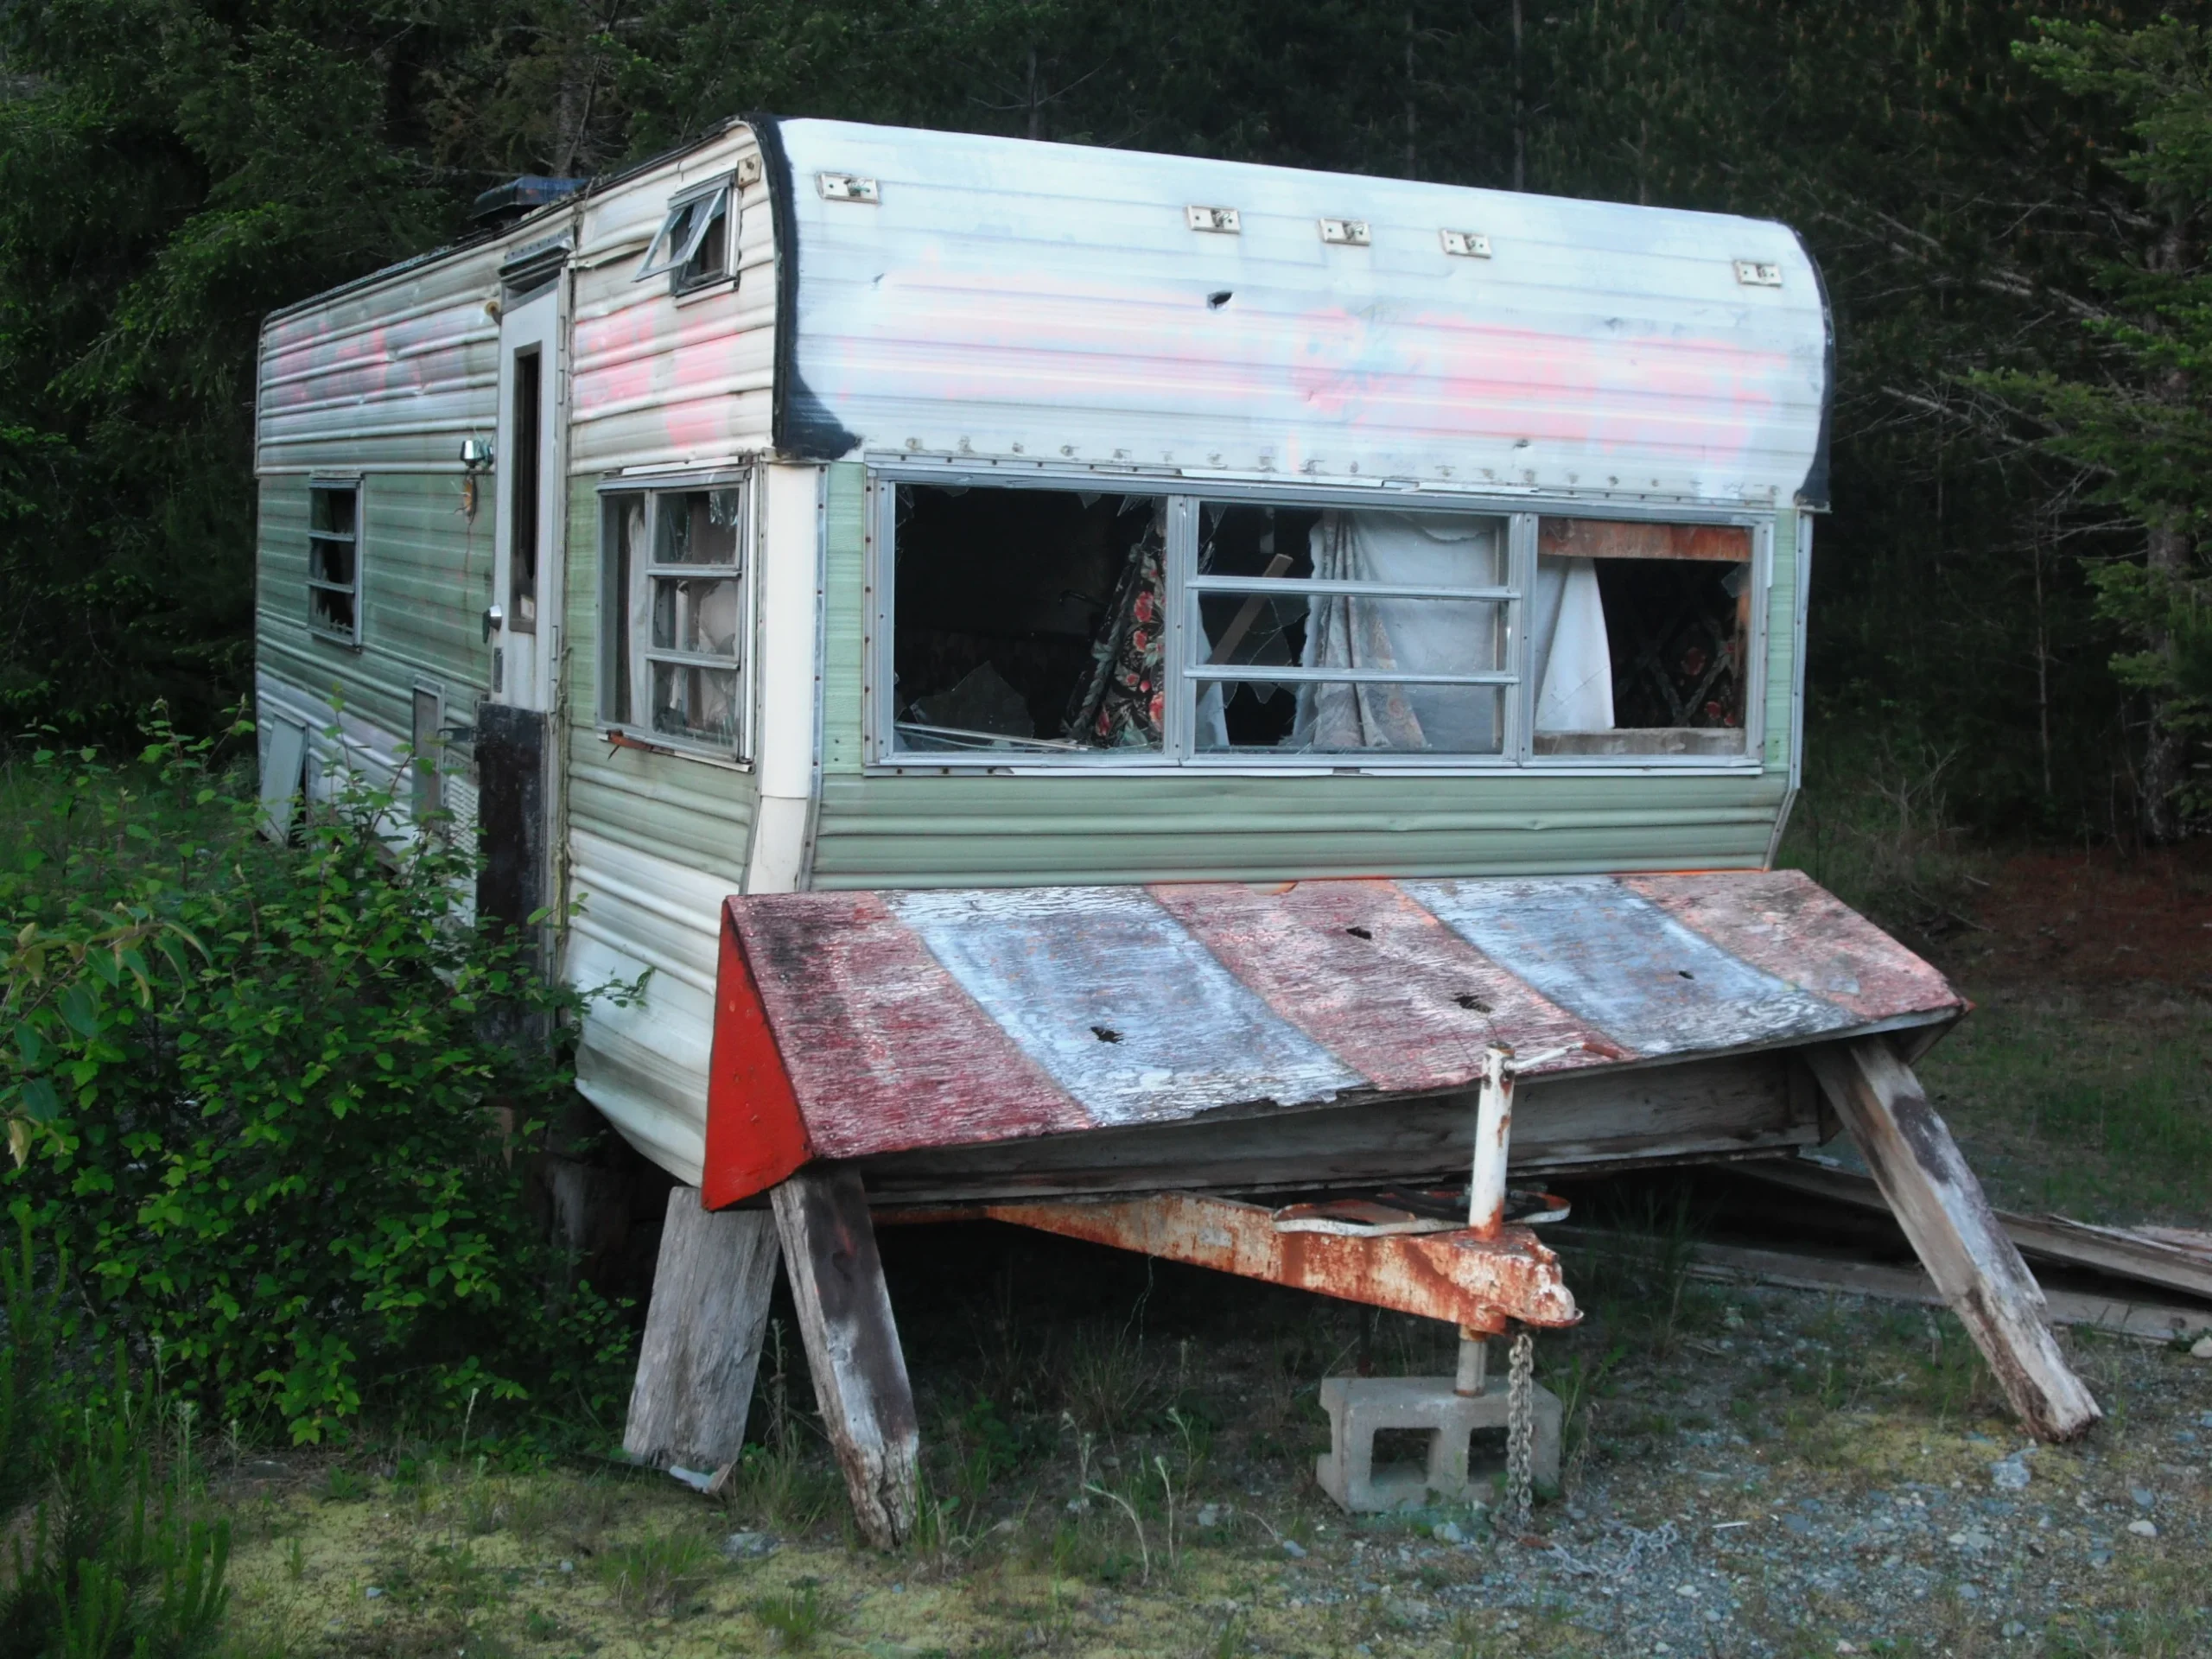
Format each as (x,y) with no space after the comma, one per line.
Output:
(1477,1284)
(874,1024)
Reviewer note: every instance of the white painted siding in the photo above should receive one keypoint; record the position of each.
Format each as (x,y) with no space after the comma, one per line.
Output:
(391,375)
(1048,303)
(663,382)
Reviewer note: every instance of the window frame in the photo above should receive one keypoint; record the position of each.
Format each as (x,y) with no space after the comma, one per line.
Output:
(1184,498)
(629,648)
(351,484)
(725,185)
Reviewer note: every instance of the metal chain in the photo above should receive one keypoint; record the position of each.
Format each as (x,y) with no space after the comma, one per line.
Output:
(1520,1433)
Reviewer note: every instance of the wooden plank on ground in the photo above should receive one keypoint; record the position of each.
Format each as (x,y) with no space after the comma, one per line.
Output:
(1730,1263)
(704,1326)
(852,1346)
(2123,1253)
(1940,1205)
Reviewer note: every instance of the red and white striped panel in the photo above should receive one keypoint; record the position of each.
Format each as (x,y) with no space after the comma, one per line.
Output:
(850,1024)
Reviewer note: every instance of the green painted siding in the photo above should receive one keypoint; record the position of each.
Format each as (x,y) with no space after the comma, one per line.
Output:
(845,602)
(426,575)
(691,812)
(1781,642)
(982,830)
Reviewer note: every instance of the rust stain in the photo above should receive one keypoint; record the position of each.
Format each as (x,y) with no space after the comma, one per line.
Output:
(1457,1277)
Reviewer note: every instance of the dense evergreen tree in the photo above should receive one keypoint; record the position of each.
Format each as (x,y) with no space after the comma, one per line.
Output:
(2005,216)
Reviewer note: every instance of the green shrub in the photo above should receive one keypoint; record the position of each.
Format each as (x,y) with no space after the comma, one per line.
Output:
(274,1100)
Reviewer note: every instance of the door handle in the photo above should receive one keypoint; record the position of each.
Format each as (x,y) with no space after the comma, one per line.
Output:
(493,618)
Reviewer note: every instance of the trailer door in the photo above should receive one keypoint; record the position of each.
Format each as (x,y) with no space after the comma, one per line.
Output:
(521,626)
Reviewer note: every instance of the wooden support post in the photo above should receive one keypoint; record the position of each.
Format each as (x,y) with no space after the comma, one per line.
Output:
(1939,1205)
(703,1327)
(852,1346)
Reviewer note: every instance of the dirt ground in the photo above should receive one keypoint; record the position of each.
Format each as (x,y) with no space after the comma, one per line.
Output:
(1119,1455)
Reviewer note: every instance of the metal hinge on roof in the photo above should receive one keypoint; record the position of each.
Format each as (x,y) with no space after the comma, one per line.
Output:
(1221,221)
(1352,232)
(845,186)
(1757,273)
(1466,245)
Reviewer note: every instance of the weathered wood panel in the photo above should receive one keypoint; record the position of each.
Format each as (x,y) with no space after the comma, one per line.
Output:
(1379,980)
(852,1346)
(1940,1205)
(1699,1108)
(1594,946)
(1800,933)
(1132,1017)
(703,1327)
(914,1019)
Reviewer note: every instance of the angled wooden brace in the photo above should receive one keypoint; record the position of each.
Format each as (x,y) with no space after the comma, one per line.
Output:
(852,1346)
(709,1307)
(1940,1205)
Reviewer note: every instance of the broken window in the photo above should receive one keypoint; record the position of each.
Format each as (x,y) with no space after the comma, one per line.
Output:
(694,245)
(1331,631)
(673,601)
(1080,625)
(1643,638)
(334,560)
(1028,621)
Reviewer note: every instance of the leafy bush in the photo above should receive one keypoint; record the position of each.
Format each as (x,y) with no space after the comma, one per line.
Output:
(274,1102)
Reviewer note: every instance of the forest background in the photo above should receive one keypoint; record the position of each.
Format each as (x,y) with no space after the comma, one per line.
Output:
(2007,199)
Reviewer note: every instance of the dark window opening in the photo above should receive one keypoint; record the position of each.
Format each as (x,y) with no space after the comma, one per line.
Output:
(693,246)
(334,561)
(522,493)
(1244,629)
(709,261)
(1649,631)
(1028,620)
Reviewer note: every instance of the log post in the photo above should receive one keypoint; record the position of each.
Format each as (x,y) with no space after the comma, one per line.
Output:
(1939,1205)
(852,1346)
(704,1326)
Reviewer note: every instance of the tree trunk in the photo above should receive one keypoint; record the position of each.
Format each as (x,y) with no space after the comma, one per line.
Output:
(2167,752)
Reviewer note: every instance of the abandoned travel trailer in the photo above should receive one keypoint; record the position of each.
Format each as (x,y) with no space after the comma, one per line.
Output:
(1217,709)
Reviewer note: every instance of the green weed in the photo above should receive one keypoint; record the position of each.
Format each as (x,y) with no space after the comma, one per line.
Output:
(657,1573)
(797,1618)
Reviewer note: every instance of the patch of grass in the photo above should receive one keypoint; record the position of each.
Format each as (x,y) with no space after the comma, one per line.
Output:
(659,1572)
(799,1617)
(2097,1118)
(1107,1381)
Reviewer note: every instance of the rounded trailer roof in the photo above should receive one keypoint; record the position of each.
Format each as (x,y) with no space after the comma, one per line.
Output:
(1035,304)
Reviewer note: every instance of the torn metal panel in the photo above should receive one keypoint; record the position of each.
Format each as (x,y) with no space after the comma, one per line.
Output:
(879,1024)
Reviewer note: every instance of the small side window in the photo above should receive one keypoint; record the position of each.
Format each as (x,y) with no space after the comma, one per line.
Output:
(335,561)
(672,595)
(694,246)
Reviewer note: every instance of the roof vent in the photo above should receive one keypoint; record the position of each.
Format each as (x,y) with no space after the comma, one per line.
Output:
(504,203)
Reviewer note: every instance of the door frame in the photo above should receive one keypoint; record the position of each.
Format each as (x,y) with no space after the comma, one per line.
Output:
(533,317)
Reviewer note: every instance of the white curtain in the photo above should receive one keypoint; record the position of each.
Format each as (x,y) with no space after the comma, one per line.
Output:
(1574,663)
(1422,636)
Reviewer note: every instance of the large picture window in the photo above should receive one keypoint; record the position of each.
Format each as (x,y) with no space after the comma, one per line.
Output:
(673,603)
(1076,627)
(334,560)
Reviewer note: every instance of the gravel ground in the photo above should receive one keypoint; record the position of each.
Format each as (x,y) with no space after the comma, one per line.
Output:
(1751,1472)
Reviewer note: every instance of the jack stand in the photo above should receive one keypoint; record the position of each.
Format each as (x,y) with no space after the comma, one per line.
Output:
(1449,1410)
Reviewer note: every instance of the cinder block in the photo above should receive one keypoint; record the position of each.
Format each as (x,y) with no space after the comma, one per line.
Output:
(1359,1406)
